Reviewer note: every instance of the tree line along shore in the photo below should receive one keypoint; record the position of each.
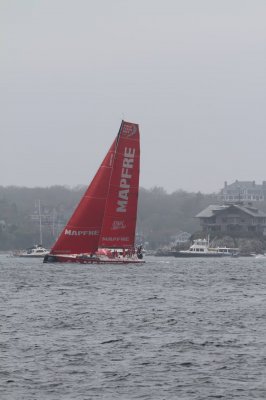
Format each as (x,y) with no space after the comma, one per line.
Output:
(160,215)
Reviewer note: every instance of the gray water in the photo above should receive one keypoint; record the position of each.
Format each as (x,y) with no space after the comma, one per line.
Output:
(170,329)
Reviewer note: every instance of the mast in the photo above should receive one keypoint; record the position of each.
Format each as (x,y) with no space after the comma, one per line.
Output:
(112,166)
(40,220)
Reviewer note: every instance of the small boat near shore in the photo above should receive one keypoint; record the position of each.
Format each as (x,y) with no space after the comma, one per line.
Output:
(258,256)
(36,251)
(202,248)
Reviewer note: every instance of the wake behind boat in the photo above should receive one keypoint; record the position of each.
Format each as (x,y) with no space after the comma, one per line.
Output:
(102,228)
(201,248)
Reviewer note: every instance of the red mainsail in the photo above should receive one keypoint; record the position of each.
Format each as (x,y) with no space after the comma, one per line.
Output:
(106,214)
(119,222)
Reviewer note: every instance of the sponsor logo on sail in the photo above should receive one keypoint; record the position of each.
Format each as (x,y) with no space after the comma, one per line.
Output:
(126,175)
(129,130)
(118,225)
(115,239)
(73,232)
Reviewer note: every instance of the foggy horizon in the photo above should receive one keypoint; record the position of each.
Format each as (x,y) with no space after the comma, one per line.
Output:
(191,74)
(81,185)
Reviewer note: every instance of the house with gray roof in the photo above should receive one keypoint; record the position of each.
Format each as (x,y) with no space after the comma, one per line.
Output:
(243,191)
(232,219)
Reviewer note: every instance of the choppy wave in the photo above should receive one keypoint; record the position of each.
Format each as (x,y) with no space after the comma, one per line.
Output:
(170,329)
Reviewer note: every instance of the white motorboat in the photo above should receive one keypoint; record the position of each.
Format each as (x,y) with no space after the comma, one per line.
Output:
(202,248)
(36,251)
(260,255)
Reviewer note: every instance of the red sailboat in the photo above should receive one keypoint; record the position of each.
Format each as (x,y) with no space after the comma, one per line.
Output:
(102,228)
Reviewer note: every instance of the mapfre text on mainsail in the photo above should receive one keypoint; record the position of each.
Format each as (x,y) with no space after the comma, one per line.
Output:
(125,180)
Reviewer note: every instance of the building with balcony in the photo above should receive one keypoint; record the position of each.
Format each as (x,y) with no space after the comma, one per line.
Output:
(231,219)
(243,191)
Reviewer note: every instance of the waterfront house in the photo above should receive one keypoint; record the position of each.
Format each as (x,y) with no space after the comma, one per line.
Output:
(231,219)
(243,191)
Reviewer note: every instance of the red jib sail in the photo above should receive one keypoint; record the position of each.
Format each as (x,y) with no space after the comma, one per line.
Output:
(82,232)
(106,214)
(119,222)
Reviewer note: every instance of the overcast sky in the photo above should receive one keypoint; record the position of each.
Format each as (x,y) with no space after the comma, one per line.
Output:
(191,73)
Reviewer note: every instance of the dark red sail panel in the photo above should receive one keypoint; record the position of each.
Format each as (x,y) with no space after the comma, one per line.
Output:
(82,232)
(119,222)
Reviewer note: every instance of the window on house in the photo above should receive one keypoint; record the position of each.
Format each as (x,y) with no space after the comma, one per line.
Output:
(251,228)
